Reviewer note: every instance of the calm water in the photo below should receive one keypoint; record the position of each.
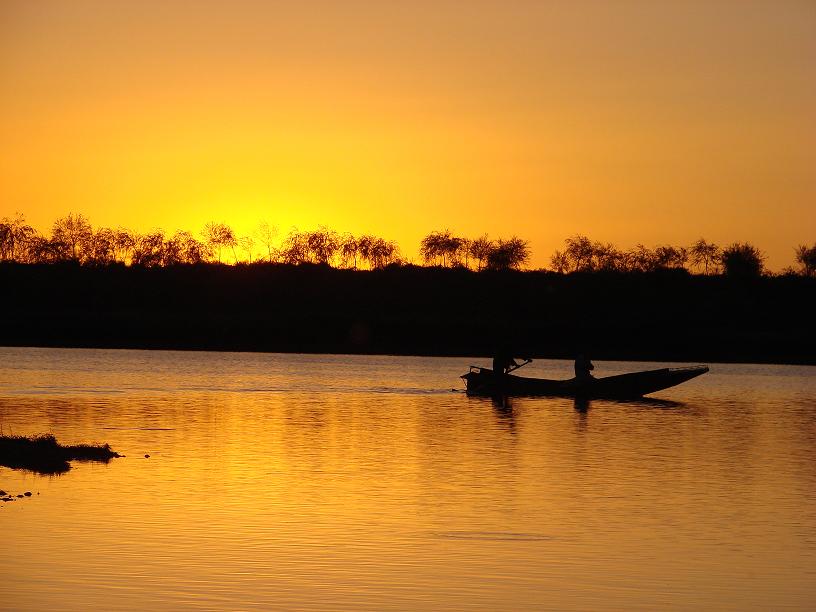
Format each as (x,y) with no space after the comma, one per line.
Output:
(334,482)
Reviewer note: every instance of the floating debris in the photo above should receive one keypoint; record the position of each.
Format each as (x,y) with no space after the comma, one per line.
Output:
(10,497)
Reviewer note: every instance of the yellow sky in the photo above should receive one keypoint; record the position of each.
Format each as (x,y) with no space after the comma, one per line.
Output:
(627,121)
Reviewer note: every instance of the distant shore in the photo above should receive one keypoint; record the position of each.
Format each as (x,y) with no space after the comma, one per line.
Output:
(660,316)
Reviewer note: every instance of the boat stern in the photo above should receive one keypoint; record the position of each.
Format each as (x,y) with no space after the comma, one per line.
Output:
(478,380)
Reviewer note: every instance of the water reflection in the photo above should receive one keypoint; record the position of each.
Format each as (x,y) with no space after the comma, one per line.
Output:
(505,414)
(367,484)
(581,404)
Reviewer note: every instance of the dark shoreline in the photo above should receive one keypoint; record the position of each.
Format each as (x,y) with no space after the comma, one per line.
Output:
(661,316)
(485,357)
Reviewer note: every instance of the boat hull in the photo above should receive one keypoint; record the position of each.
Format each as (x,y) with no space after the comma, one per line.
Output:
(481,381)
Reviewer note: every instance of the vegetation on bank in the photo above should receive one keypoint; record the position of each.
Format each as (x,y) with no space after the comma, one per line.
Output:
(664,315)
(73,238)
(583,255)
(44,455)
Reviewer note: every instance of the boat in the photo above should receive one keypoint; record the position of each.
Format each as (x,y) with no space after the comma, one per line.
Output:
(481,381)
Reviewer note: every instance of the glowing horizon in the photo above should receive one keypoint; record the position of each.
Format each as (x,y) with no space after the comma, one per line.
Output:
(629,124)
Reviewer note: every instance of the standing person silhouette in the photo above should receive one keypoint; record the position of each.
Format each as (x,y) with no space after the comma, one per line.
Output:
(502,362)
(583,367)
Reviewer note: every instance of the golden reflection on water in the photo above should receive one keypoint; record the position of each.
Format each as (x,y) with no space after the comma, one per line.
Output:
(326,482)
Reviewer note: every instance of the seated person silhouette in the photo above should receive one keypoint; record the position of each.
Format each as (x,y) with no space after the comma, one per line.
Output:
(583,367)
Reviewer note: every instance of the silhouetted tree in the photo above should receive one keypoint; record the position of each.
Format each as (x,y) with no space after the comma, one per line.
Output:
(193,251)
(806,257)
(266,234)
(512,253)
(295,249)
(15,233)
(348,251)
(365,248)
(705,254)
(382,253)
(212,237)
(74,238)
(582,255)
(37,250)
(183,248)
(149,249)
(607,258)
(392,253)
(579,253)
(641,259)
(230,240)
(172,251)
(442,247)
(480,250)
(98,248)
(73,231)
(247,243)
(431,248)
(742,259)
(668,257)
(124,241)
(463,254)
(6,241)
(322,244)
(560,262)
(454,249)
(219,235)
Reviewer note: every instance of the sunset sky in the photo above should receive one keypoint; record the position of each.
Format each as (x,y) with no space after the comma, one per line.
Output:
(627,121)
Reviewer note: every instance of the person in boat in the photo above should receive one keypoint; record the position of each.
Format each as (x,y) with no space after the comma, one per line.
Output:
(502,362)
(583,368)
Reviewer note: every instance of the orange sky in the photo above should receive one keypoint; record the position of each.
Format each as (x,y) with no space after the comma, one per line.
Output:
(627,121)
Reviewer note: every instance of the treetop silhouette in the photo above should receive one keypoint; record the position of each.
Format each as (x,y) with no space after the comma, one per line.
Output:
(73,238)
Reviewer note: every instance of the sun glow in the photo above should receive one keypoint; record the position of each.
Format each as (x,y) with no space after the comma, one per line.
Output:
(638,124)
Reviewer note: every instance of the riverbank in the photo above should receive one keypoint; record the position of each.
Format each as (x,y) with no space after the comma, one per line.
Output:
(663,316)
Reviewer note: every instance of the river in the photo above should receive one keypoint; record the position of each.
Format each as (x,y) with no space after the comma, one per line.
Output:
(329,482)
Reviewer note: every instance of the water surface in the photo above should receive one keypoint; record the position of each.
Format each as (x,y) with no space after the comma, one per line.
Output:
(337,482)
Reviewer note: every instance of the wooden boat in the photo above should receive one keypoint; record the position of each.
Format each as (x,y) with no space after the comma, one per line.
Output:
(481,381)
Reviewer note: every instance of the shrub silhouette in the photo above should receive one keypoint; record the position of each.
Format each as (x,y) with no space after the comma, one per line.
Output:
(742,259)
(806,257)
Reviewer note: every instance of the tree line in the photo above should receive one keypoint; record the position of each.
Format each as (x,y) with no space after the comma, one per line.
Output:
(445,249)
(73,238)
(583,255)
(737,259)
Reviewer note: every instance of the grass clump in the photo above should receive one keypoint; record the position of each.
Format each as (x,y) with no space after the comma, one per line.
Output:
(43,454)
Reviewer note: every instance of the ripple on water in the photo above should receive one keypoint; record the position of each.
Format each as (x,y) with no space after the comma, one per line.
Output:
(512,536)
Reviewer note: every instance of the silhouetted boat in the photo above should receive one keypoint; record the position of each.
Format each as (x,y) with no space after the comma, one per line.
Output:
(480,381)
